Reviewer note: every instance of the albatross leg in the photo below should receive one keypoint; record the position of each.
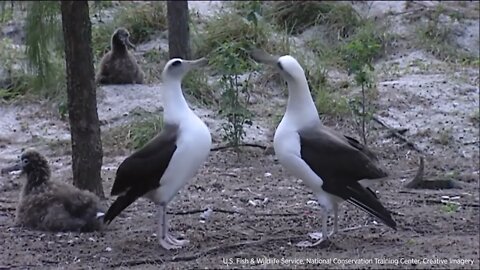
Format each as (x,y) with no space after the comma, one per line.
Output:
(335,223)
(166,240)
(325,235)
(335,219)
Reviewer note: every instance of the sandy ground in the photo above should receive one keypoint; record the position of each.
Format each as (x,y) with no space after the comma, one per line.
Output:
(259,210)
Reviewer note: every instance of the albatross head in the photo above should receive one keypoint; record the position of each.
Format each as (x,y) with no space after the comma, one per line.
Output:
(177,68)
(286,65)
(31,162)
(120,39)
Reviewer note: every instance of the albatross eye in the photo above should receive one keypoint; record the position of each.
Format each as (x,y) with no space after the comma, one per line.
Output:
(177,63)
(280,66)
(25,161)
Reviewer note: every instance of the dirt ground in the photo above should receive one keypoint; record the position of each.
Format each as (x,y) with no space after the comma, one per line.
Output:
(259,211)
(283,209)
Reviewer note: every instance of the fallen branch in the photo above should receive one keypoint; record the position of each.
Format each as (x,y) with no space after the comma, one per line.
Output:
(395,133)
(433,201)
(240,145)
(7,209)
(202,253)
(225,211)
(197,211)
(419,182)
(418,177)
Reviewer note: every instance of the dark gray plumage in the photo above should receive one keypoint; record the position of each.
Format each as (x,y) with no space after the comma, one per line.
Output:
(53,206)
(341,162)
(141,172)
(119,66)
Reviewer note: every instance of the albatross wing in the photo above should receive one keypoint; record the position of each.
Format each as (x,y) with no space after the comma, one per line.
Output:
(141,172)
(341,162)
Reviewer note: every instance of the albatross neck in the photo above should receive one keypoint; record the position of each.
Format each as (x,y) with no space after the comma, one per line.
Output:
(175,107)
(36,178)
(300,104)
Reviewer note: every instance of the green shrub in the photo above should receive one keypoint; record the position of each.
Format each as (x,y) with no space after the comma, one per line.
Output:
(235,93)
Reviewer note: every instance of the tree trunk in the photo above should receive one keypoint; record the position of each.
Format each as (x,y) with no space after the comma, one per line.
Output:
(178,29)
(87,151)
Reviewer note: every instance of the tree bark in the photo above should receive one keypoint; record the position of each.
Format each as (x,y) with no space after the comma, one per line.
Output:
(178,29)
(87,153)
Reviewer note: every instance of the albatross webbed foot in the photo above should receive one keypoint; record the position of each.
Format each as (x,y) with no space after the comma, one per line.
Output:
(323,241)
(169,242)
(178,242)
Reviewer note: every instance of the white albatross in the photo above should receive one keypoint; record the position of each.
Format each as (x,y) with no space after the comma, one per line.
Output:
(164,165)
(329,163)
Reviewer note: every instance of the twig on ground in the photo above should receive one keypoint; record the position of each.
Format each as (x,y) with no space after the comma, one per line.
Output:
(433,201)
(7,201)
(395,133)
(7,209)
(240,145)
(199,254)
(196,211)
(226,211)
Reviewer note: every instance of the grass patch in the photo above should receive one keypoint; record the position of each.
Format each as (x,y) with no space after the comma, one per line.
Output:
(331,103)
(368,42)
(233,29)
(475,117)
(438,37)
(140,19)
(445,137)
(297,16)
(134,135)
(16,82)
(450,207)
(196,86)
(327,100)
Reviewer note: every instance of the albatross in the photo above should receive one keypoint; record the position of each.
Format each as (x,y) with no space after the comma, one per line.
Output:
(329,163)
(50,205)
(119,65)
(164,165)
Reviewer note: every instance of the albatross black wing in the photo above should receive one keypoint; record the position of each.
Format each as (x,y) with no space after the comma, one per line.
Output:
(341,162)
(141,172)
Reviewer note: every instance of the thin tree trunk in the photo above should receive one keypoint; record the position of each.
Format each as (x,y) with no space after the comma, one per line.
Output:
(178,29)
(87,151)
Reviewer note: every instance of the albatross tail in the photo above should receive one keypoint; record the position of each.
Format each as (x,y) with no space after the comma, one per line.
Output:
(120,203)
(368,202)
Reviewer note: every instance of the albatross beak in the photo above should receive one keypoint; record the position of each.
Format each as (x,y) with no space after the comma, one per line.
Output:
(129,44)
(15,167)
(263,57)
(197,63)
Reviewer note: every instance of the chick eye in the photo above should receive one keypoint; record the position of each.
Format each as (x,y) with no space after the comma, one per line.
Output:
(25,161)
(177,63)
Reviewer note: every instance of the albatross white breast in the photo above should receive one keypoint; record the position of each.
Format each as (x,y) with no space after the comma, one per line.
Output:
(330,164)
(165,164)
